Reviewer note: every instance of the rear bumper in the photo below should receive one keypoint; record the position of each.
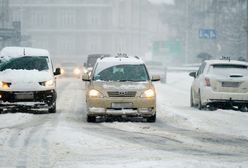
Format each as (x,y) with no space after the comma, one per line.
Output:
(210,97)
(39,100)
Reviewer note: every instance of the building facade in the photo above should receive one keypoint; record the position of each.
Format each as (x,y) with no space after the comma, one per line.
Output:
(72,29)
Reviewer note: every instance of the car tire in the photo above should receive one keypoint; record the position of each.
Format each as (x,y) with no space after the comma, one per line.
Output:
(191,99)
(52,109)
(151,119)
(244,109)
(200,107)
(91,119)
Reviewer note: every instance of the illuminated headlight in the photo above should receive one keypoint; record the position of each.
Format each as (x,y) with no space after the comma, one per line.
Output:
(95,93)
(85,71)
(62,71)
(148,94)
(4,85)
(76,71)
(49,83)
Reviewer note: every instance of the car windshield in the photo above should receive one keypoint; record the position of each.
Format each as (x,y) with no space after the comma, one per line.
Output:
(26,63)
(228,69)
(123,72)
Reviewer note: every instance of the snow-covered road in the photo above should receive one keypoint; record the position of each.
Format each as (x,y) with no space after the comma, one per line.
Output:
(181,137)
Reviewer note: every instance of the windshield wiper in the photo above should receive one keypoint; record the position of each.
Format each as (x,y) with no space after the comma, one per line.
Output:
(131,80)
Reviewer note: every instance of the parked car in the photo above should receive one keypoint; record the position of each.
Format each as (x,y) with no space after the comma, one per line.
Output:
(27,80)
(158,68)
(71,69)
(120,86)
(220,84)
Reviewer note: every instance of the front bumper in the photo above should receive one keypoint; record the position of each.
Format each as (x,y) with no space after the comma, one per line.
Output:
(208,96)
(138,106)
(27,100)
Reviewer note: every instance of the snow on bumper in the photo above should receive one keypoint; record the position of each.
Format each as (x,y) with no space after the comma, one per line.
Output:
(210,96)
(121,106)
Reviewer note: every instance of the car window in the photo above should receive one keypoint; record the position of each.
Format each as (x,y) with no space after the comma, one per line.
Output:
(201,69)
(123,72)
(26,63)
(228,69)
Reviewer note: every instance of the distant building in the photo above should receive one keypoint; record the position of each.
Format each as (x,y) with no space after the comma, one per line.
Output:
(72,29)
(216,27)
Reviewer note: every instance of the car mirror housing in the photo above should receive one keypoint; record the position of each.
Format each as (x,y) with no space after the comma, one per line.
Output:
(193,74)
(155,78)
(57,71)
(85,77)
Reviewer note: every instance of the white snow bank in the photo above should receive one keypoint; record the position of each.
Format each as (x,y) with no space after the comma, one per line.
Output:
(174,108)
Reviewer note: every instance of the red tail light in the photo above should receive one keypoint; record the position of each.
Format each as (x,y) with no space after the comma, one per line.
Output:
(207,82)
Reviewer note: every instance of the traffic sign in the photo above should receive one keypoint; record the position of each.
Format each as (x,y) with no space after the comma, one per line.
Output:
(207,34)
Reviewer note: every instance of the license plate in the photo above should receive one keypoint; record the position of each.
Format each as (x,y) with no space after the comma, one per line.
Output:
(24,96)
(230,84)
(122,105)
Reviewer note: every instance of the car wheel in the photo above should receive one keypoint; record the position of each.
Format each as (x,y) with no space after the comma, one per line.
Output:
(91,118)
(200,107)
(151,119)
(191,99)
(244,109)
(52,109)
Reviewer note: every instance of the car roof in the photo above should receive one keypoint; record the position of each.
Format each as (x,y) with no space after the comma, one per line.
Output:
(11,52)
(226,62)
(121,59)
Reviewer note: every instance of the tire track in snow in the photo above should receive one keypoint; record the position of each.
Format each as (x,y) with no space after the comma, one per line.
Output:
(28,142)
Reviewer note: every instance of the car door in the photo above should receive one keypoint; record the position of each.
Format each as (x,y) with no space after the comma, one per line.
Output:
(197,81)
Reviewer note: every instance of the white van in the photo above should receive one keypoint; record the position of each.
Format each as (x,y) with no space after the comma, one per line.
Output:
(27,80)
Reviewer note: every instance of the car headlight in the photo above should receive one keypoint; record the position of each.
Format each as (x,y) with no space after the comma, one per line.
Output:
(76,71)
(95,93)
(62,71)
(148,94)
(4,85)
(48,83)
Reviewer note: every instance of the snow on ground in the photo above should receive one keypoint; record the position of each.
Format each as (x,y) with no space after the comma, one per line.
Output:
(174,106)
(181,137)
(13,119)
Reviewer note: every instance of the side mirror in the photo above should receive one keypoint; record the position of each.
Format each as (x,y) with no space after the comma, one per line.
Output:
(85,77)
(192,74)
(57,71)
(155,78)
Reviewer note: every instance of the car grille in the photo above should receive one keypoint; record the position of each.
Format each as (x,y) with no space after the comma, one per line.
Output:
(122,94)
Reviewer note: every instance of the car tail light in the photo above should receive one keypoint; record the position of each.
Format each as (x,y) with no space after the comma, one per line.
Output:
(207,82)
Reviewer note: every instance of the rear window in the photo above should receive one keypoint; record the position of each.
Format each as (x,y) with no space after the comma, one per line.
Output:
(228,69)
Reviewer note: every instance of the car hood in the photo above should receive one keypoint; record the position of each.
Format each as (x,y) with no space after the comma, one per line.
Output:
(25,76)
(121,86)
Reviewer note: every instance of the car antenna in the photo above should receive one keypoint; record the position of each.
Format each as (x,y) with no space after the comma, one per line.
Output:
(24,53)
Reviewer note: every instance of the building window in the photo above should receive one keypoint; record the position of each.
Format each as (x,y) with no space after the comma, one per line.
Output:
(67,18)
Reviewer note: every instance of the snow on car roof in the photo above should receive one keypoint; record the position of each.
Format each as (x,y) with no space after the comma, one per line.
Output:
(124,60)
(10,52)
(226,62)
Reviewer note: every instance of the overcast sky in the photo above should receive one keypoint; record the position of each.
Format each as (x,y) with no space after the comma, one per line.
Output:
(162,1)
